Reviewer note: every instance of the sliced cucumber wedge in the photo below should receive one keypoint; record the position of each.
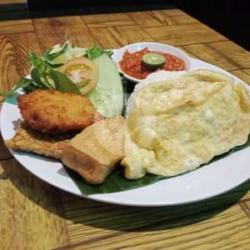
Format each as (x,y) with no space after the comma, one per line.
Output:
(153,60)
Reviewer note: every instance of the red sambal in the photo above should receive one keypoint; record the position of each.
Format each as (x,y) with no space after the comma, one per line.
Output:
(132,64)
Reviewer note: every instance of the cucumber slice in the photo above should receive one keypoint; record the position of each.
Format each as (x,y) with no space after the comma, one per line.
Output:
(107,96)
(153,60)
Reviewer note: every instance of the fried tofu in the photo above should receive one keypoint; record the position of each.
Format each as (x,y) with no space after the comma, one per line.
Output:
(95,151)
(54,112)
(28,140)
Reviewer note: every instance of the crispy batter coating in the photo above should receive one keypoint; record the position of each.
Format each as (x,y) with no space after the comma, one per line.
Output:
(28,140)
(53,112)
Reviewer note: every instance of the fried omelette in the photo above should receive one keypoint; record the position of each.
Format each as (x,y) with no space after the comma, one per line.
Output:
(29,140)
(176,125)
(54,112)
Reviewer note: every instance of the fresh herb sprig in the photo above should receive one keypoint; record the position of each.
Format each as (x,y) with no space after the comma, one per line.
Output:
(43,73)
(43,76)
(52,54)
(95,52)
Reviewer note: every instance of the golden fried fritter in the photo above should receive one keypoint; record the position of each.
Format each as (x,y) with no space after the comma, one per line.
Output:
(53,112)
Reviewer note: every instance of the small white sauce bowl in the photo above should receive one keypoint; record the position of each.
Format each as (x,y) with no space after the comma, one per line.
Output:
(157,47)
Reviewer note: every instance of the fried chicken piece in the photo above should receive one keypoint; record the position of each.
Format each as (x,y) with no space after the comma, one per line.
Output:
(29,140)
(95,151)
(54,112)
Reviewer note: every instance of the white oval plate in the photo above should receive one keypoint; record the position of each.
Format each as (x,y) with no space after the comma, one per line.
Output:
(205,182)
(160,47)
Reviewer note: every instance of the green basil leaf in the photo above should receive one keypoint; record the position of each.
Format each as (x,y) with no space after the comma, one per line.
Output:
(40,77)
(94,52)
(35,60)
(32,86)
(22,83)
(35,75)
(53,65)
(50,56)
(108,52)
(63,83)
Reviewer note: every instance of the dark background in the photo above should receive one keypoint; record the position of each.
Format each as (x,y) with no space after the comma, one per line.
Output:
(229,17)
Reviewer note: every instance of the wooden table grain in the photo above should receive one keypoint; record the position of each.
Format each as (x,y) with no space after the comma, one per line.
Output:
(35,215)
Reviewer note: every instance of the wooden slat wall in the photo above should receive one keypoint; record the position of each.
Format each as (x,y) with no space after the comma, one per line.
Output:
(12,1)
(34,215)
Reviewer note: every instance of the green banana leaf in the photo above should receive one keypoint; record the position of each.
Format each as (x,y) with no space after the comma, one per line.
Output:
(114,183)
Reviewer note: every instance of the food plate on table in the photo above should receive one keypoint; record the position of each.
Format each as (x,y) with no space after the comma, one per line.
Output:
(216,177)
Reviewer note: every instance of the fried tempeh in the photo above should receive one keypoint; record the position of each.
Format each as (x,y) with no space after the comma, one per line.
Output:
(29,140)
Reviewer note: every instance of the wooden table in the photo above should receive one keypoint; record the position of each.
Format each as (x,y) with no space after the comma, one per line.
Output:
(35,215)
